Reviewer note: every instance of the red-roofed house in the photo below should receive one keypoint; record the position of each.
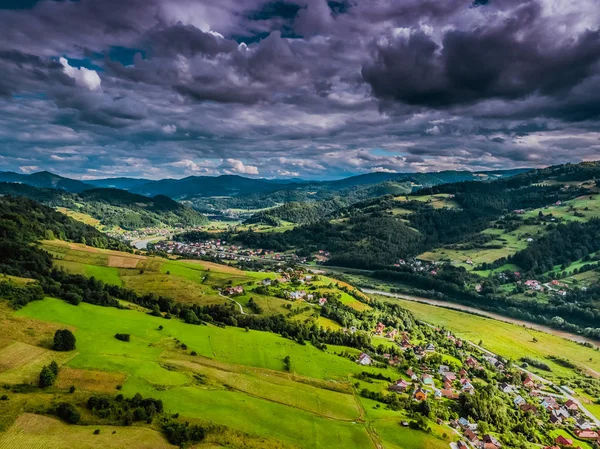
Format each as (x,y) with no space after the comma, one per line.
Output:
(562,441)
(587,434)
(571,405)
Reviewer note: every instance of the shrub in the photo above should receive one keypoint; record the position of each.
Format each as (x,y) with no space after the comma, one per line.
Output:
(47,377)
(123,337)
(97,432)
(53,367)
(72,389)
(68,413)
(64,340)
(183,433)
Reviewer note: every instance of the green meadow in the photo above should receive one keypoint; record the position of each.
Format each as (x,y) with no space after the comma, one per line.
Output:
(235,374)
(187,281)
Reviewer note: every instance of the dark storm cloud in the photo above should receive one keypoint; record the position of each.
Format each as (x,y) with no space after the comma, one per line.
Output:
(186,40)
(512,60)
(21,71)
(297,87)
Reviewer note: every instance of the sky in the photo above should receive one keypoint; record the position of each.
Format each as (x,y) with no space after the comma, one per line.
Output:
(313,89)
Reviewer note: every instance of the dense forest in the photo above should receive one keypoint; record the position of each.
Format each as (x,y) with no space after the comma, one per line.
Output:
(113,207)
(562,245)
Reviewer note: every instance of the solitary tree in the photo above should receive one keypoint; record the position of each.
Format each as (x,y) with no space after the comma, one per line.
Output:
(64,340)
(47,377)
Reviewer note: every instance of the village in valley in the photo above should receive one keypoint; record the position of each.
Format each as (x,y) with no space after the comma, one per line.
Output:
(444,368)
(222,250)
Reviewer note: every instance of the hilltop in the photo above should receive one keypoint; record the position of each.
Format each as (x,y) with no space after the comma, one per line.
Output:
(113,207)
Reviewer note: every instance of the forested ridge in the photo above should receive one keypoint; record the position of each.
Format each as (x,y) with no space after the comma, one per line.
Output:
(367,234)
(562,245)
(113,207)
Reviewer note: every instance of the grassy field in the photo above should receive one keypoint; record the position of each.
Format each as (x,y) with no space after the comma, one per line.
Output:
(504,244)
(507,339)
(39,432)
(84,218)
(188,281)
(236,374)
(437,201)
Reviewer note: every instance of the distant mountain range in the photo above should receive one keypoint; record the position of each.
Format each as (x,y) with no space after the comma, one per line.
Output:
(233,185)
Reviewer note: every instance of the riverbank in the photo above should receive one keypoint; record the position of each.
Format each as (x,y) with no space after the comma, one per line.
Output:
(143,244)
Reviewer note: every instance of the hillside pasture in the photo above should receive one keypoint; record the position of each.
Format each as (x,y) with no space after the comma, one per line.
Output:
(40,432)
(236,374)
(437,201)
(79,216)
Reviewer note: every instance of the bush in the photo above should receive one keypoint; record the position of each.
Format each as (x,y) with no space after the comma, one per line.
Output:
(183,433)
(72,389)
(97,432)
(68,413)
(64,340)
(47,377)
(123,337)
(53,367)
(4,398)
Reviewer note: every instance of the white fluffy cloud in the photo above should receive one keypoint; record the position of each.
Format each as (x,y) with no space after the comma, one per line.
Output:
(83,77)
(235,166)
(169,129)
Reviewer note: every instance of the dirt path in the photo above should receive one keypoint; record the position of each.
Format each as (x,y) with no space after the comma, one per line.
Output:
(495,316)
(363,418)
(233,300)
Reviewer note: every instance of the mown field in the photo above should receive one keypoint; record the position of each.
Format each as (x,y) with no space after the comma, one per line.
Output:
(39,432)
(237,379)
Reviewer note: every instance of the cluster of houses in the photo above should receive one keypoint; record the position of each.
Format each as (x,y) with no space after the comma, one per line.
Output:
(441,382)
(233,291)
(553,286)
(469,429)
(220,249)
(420,266)
(297,277)
(142,233)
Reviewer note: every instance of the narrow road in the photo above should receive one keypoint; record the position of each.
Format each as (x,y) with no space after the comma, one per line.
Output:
(233,300)
(495,316)
(565,394)
(581,407)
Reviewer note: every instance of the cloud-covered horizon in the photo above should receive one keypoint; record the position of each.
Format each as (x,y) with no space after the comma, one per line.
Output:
(298,88)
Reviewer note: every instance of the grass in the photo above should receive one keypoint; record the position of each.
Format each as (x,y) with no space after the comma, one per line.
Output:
(187,281)
(504,245)
(507,339)
(437,201)
(236,374)
(394,436)
(576,441)
(84,218)
(40,432)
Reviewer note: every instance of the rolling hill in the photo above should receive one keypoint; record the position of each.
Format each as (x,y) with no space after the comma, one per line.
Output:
(113,207)
(45,179)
